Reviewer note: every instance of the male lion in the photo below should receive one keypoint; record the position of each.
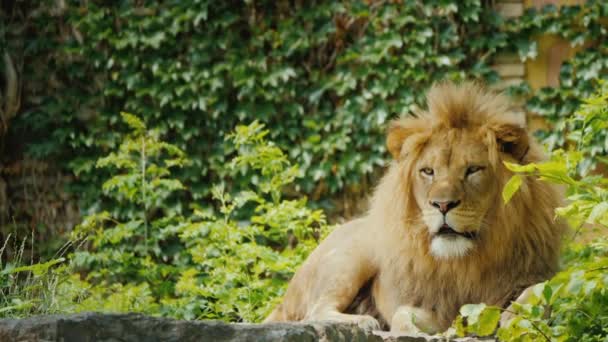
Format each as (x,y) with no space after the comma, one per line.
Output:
(438,234)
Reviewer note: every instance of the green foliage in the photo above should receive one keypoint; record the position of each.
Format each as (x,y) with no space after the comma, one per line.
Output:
(324,76)
(511,187)
(240,267)
(572,306)
(134,250)
(481,320)
(215,263)
(587,195)
(27,289)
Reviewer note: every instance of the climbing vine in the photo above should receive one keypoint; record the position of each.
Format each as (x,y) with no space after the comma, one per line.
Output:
(323,76)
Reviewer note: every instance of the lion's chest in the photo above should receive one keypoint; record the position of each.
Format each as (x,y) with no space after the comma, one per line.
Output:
(439,291)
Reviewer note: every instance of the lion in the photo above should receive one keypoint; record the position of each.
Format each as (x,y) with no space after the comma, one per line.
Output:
(438,234)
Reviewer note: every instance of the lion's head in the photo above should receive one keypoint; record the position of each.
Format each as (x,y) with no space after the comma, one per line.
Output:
(452,157)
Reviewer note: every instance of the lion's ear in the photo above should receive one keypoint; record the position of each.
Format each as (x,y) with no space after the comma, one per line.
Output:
(399,131)
(512,139)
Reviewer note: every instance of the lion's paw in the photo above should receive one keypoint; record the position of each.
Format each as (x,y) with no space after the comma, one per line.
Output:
(413,321)
(403,323)
(364,322)
(506,317)
(523,298)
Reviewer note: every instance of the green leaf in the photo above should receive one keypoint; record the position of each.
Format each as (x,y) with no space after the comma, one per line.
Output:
(598,212)
(37,269)
(520,168)
(458,325)
(511,187)
(547,293)
(488,321)
(133,121)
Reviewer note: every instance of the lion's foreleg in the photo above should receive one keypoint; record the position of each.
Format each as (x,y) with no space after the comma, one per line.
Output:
(337,292)
(509,313)
(329,280)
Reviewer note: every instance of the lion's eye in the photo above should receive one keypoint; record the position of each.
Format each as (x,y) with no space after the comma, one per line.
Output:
(427,171)
(473,169)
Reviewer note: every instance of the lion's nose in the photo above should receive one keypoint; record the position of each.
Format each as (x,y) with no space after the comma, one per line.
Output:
(445,206)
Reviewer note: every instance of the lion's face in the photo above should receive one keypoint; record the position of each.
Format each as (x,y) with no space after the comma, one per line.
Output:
(453,153)
(453,187)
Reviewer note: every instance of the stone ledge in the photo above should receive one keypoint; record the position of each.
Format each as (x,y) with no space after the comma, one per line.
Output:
(89,327)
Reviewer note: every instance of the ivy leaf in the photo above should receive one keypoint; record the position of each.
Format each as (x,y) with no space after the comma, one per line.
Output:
(527,49)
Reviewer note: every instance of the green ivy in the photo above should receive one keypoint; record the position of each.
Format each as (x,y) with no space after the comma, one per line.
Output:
(324,76)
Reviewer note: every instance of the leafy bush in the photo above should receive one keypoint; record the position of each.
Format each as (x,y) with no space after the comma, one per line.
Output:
(212,263)
(573,306)
(240,267)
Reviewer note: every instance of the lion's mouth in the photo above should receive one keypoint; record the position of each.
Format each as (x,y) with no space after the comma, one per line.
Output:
(446,230)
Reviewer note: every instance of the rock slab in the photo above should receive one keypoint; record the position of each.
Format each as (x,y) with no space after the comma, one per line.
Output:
(88,327)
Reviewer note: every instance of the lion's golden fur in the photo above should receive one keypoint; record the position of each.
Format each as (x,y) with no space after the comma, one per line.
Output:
(388,250)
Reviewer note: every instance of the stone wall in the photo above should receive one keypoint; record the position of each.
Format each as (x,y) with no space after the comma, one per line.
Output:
(89,327)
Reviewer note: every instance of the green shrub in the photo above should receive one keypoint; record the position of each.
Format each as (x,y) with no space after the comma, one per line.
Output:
(215,263)
(229,261)
(240,267)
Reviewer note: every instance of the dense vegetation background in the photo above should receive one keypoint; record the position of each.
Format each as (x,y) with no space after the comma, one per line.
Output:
(181,217)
